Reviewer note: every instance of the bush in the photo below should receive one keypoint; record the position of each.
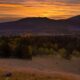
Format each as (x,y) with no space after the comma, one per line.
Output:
(64,54)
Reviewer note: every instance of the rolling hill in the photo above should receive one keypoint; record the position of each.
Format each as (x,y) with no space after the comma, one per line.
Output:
(41,26)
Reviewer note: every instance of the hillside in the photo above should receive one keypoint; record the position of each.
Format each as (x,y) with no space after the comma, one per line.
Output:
(41,25)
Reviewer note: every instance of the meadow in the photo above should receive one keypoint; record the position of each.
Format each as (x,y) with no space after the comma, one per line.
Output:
(40,57)
(40,68)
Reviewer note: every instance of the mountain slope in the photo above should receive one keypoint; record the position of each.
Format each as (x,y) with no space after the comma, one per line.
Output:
(41,25)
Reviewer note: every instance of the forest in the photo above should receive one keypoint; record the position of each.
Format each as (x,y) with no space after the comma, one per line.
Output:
(27,47)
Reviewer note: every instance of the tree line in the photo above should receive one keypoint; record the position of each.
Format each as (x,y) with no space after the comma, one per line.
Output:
(27,47)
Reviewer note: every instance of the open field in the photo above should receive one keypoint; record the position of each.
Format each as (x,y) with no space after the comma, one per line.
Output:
(41,68)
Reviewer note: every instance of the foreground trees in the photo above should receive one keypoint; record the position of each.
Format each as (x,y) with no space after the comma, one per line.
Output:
(26,47)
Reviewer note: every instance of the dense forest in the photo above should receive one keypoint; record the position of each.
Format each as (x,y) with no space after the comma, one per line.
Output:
(27,47)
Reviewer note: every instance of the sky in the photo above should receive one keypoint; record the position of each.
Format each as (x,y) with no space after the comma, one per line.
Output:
(57,9)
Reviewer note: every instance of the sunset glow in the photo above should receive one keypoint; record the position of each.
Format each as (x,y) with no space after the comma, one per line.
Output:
(38,8)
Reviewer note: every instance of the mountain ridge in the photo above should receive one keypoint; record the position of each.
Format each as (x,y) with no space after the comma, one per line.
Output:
(41,25)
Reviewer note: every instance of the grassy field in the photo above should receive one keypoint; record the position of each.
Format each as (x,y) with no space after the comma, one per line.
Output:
(16,75)
(40,68)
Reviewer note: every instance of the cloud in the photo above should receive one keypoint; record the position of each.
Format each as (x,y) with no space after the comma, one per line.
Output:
(69,1)
(41,8)
(21,1)
(13,1)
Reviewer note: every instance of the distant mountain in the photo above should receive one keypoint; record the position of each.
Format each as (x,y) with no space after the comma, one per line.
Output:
(39,25)
(75,18)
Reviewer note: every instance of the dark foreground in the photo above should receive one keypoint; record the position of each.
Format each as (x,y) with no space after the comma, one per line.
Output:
(41,68)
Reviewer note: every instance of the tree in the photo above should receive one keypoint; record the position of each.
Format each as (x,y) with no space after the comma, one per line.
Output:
(5,48)
(76,53)
(63,53)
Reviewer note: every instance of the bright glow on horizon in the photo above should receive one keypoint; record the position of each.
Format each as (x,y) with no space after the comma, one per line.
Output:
(35,8)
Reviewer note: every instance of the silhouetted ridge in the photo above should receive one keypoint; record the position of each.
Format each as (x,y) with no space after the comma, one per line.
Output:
(36,19)
(75,18)
(42,25)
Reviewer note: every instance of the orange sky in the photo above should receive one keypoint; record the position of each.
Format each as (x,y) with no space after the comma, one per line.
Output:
(33,8)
